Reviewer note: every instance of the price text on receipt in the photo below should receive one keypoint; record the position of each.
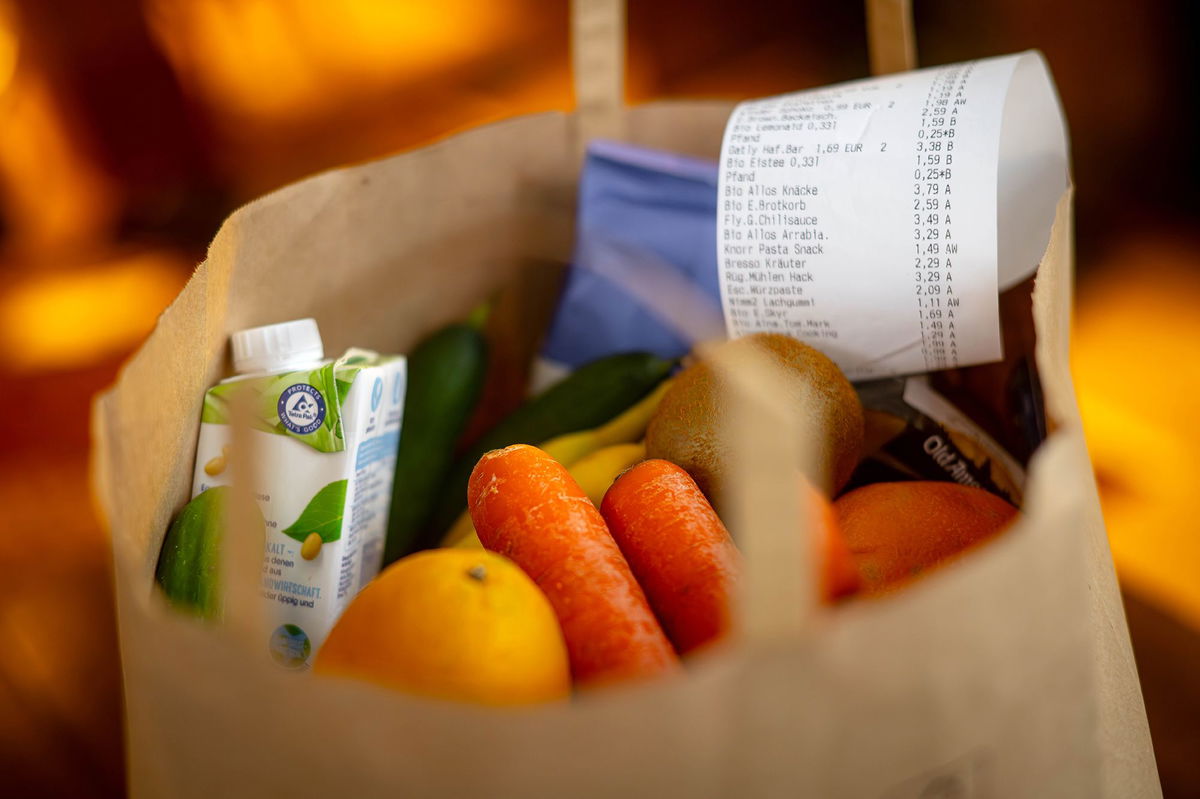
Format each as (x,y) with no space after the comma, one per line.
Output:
(862,218)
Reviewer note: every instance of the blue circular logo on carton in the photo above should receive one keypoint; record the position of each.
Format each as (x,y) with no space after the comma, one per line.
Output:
(376,394)
(290,646)
(301,408)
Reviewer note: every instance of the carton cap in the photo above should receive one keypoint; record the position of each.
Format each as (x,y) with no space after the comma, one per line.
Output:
(276,348)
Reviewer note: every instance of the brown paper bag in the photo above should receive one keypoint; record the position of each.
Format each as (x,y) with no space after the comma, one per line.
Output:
(1009,674)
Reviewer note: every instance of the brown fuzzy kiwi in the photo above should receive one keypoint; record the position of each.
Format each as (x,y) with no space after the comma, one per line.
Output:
(686,428)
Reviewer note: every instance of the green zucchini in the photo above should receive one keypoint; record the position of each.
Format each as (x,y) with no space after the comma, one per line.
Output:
(445,377)
(189,565)
(587,398)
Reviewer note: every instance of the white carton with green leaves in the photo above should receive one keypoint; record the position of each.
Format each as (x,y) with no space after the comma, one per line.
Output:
(324,434)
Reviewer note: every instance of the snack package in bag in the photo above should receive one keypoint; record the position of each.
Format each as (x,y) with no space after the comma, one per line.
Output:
(914,433)
(1009,674)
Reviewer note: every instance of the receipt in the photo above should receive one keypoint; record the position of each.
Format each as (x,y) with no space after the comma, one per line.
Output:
(878,220)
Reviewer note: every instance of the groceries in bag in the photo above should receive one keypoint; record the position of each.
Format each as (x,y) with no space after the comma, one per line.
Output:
(616,518)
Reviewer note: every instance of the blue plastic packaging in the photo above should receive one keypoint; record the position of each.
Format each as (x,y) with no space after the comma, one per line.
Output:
(644,271)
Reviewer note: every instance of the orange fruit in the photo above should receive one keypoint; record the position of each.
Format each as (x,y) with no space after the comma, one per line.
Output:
(461,624)
(896,531)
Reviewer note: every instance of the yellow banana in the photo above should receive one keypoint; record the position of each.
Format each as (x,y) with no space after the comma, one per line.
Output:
(460,532)
(596,472)
(470,540)
(570,448)
(628,427)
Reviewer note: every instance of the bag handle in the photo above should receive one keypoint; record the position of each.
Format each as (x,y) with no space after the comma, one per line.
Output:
(761,502)
(598,68)
(890,37)
(598,57)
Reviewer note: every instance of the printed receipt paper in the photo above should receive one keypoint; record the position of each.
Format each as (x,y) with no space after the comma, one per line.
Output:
(878,220)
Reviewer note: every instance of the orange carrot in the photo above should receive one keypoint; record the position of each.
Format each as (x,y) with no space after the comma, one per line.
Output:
(678,549)
(527,507)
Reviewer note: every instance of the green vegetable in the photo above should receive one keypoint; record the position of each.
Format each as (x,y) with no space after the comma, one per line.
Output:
(190,562)
(322,515)
(445,377)
(587,398)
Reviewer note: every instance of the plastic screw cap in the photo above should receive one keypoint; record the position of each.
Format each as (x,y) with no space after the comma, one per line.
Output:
(273,348)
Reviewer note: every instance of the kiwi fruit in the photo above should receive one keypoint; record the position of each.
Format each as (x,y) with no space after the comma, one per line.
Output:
(687,428)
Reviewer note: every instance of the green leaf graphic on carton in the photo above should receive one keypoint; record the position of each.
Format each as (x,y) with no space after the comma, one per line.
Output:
(322,515)
(216,408)
(333,380)
(265,392)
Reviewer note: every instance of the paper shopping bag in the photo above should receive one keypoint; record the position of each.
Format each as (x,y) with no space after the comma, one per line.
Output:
(1008,674)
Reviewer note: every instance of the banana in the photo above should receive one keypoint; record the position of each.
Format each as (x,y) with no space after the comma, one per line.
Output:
(596,472)
(628,427)
(461,533)
(571,448)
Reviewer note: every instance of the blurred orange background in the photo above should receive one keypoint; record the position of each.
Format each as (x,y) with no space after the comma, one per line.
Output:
(130,128)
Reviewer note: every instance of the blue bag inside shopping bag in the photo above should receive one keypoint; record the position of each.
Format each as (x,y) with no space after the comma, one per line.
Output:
(644,271)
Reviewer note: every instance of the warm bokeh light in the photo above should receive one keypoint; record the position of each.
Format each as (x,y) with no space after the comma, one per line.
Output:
(290,88)
(51,193)
(268,59)
(9,45)
(130,128)
(1138,382)
(64,318)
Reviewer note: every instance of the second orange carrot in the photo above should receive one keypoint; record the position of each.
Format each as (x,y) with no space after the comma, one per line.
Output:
(678,549)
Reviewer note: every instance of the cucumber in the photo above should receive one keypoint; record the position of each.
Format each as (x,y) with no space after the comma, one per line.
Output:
(190,561)
(588,397)
(445,376)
